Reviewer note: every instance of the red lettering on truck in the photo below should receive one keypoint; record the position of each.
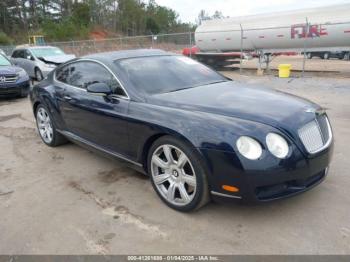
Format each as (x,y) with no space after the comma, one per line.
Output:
(309,31)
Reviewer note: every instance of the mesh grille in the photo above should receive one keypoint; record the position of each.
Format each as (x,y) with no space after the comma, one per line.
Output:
(316,135)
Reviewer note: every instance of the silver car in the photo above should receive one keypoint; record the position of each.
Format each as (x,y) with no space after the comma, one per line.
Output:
(39,61)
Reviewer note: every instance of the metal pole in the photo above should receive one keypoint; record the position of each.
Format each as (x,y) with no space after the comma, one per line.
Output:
(190,44)
(241,55)
(305,39)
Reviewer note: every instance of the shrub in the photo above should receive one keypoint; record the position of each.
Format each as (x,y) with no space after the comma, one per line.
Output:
(5,39)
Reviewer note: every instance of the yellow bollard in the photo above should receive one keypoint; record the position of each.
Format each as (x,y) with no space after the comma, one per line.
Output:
(284,70)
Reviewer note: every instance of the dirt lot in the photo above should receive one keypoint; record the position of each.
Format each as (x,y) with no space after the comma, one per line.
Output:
(67,200)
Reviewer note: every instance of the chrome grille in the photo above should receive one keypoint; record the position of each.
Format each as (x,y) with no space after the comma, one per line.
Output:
(4,79)
(316,135)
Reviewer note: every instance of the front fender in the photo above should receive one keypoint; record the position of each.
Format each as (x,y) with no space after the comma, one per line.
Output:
(202,130)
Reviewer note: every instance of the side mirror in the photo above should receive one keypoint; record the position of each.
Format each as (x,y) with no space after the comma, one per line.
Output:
(99,88)
(29,57)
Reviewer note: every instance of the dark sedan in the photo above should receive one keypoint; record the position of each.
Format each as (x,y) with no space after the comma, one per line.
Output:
(14,81)
(196,133)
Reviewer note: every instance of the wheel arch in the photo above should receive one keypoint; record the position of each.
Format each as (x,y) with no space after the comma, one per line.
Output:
(150,141)
(35,106)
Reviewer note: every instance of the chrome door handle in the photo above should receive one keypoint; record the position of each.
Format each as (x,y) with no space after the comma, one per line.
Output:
(67,98)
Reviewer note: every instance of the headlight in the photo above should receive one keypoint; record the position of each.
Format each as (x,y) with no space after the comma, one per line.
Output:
(50,65)
(22,74)
(277,145)
(249,147)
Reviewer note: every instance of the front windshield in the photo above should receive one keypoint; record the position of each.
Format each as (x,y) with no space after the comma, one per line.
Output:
(45,51)
(163,74)
(4,61)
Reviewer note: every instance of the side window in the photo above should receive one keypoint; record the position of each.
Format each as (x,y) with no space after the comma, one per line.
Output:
(62,74)
(18,54)
(14,54)
(27,55)
(83,74)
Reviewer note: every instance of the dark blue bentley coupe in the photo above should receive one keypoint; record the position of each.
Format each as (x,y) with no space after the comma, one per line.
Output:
(197,134)
(14,81)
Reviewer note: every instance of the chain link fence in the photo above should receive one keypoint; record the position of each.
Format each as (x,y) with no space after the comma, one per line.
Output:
(169,42)
(256,46)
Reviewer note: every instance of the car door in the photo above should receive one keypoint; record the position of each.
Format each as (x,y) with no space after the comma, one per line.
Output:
(28,62)
(95,118)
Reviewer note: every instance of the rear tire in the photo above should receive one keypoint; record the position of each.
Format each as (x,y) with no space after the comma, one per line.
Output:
(180,182)
(46,128)
(309,56)
(326,56)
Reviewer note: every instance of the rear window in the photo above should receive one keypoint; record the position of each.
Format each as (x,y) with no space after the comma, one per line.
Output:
(163,74)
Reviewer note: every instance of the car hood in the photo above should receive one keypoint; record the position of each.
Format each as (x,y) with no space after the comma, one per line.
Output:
(243,101)
(9,70)
(57,59)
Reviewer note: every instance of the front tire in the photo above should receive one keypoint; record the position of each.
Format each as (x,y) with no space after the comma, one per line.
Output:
(177,174)
(326,56)
(38,75)
(47,129)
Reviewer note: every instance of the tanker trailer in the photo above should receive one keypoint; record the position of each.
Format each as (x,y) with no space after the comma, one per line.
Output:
(317,30)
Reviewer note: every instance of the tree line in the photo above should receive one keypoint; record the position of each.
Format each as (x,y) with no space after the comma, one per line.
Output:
(64,20)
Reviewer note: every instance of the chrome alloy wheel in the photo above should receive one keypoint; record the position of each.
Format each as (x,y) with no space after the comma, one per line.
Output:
(44,125)
(173,175)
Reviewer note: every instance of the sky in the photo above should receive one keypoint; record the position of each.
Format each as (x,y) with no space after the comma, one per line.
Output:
(189,9)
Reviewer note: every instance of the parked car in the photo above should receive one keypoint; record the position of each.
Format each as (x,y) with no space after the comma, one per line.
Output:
(197,134)
(39,61)
(14,81)
(345,55)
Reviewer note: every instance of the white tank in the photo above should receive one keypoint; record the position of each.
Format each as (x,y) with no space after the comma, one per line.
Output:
(316,28)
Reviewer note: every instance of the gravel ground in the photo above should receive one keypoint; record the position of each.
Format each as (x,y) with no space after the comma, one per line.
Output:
(67,200)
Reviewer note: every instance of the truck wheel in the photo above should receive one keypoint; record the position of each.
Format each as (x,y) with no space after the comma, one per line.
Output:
(326,56)
(346,56)
(309,56)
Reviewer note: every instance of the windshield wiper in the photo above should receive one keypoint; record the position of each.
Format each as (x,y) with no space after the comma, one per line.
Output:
(188,87)
(183,88)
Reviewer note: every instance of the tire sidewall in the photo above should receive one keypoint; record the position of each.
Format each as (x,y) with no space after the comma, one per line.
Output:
(201,179)
(38,72)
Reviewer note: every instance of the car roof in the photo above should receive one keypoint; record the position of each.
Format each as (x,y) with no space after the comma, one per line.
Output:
(115,55)
(33,47)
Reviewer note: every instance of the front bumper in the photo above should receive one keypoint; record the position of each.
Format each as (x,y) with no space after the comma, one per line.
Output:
(265,180)
(13,89)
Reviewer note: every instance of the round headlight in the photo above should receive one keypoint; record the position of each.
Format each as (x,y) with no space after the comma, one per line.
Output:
(249,147)
(277,145)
